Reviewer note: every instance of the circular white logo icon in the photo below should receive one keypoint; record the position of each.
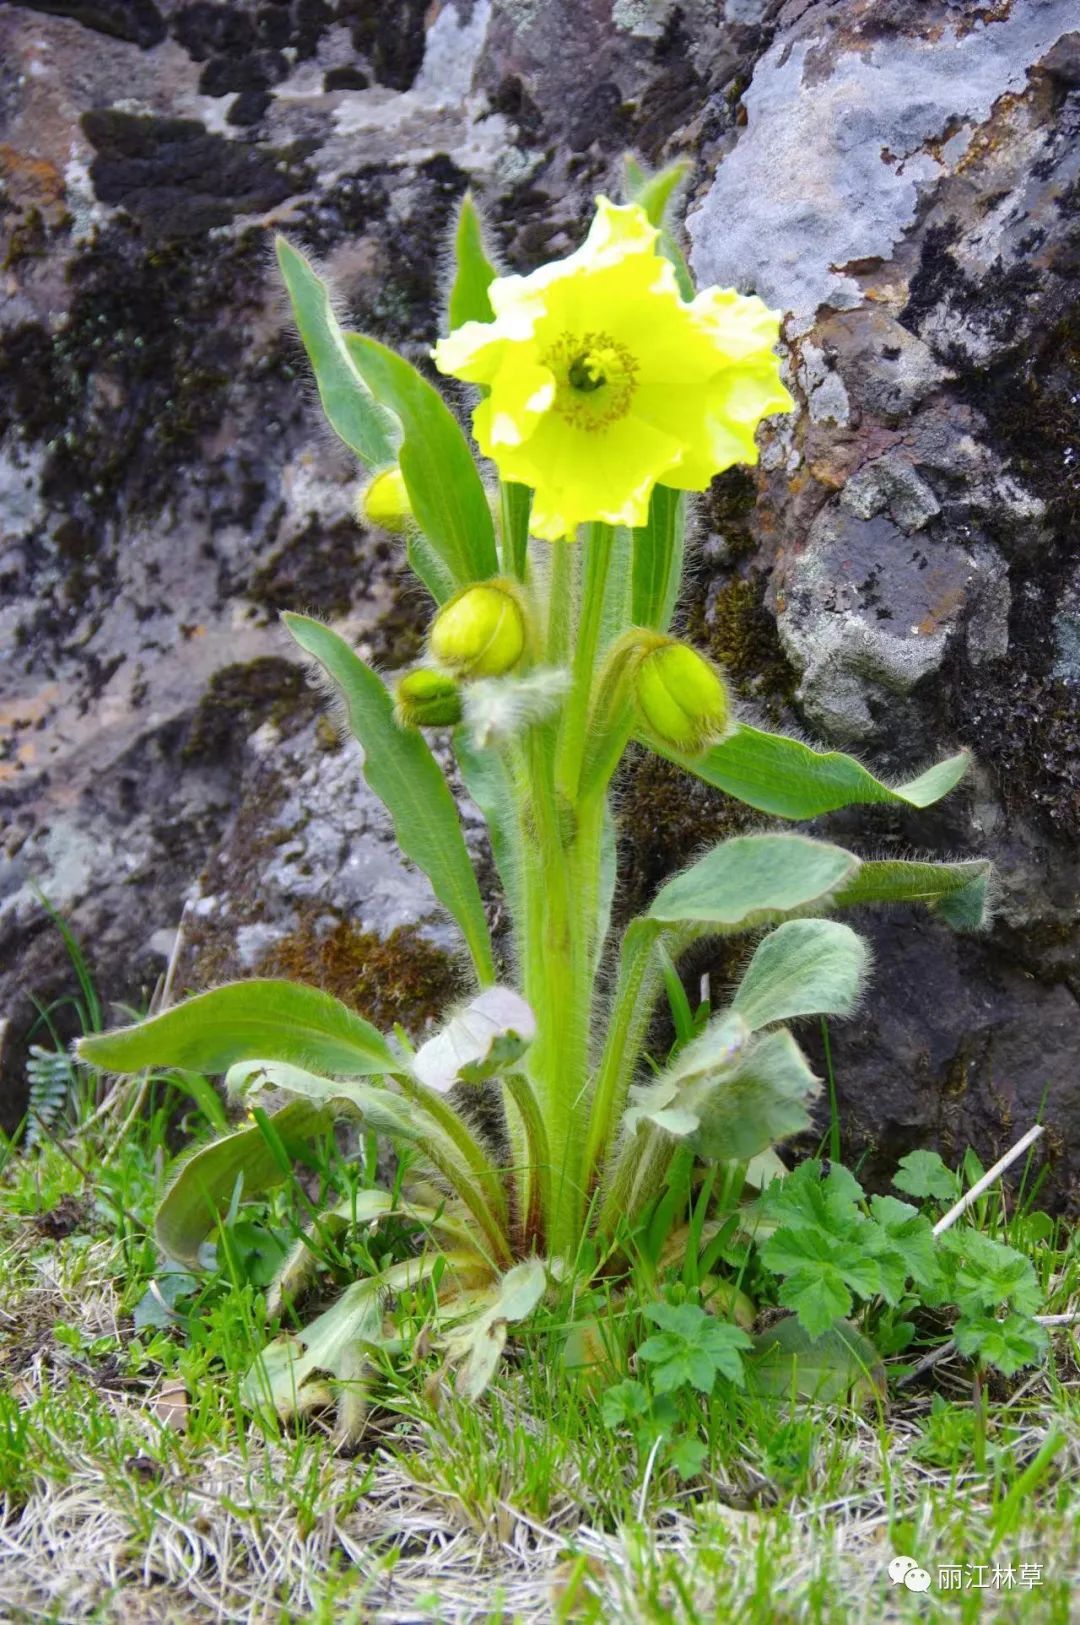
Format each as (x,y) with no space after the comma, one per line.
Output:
(905,1571)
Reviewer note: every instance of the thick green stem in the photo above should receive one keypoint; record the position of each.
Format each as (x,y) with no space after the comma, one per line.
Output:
(639,984)
(596,557)
(474,1178)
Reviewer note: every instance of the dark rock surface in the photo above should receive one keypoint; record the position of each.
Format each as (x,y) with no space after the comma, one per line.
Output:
(900,576)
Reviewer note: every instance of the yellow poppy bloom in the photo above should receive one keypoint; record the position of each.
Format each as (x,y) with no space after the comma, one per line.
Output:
(602,381)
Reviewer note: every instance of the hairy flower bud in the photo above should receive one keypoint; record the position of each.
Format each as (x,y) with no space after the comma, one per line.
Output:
(481,632)
(385,502)
(682,698)
(428,699)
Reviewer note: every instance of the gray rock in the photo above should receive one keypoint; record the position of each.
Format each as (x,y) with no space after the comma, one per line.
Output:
(900,179)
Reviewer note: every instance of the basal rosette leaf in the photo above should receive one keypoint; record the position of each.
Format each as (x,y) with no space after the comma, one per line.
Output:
(261,1018)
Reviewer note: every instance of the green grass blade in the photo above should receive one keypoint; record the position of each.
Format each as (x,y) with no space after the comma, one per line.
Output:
(788,779)
(447,495)
(401,770)
(352,411)
(259,1019)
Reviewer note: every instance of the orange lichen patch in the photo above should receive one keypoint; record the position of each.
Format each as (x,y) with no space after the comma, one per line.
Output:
(33,183)
(16,716)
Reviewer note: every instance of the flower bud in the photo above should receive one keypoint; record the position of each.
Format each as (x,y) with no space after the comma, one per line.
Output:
(480,633)
(385,502)
(682,698)
(428,699)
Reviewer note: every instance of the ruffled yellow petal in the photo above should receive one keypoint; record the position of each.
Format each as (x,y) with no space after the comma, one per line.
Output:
(602,381)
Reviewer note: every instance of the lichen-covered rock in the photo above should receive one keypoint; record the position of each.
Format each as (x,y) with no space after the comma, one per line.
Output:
(900,573)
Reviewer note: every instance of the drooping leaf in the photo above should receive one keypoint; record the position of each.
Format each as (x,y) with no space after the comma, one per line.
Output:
(955,891)
(473,270)
(752,879)
(282,1021)
(480,1343)
(445,490)
(803,968)
(202,1187)
(841,1366)
(399,767)
(731,1096)
(491,1033)
(788,779)
(761,1103)
(366,427)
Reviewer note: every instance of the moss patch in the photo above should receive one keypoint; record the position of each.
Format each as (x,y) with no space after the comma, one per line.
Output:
(241,698)
(733,624)
(400,978)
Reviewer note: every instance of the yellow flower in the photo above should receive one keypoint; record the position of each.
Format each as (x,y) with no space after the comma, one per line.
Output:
(601,381)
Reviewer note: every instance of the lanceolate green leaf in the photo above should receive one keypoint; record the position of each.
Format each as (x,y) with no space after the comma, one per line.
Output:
(803,968)
(445,490)
(366,427)
(784,777)
(401,770)
(202,1187)
(473,271)
(658,560)
(955,891)
(260,1019)
(655,193)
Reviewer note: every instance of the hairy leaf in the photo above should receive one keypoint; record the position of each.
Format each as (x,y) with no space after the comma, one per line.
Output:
(784,777)
(366,427)
(803,968)
(202,1186)
(445,490)
(473,270)
(399,767)
(260,1019)
(752,879)
(955,891)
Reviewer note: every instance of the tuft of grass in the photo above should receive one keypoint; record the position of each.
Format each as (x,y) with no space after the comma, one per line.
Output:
(584,1486)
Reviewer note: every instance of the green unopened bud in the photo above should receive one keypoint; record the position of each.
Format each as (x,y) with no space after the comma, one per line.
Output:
(682,698)
(385,502)
(428,699)
(481,632)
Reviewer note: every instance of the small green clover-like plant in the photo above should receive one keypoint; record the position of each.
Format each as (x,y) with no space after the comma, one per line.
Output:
(833,1248)
(924,1174)
(681,1363)
(692,1348)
